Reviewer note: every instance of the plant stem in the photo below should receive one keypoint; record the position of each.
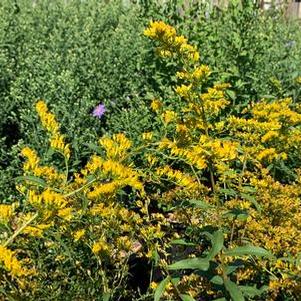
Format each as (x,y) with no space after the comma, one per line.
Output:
(17,232)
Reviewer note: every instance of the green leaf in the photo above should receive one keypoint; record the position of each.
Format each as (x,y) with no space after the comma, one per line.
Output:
(186,298)
(220,299)
(249,189)
(200,204)
(106,297)
(156,257)
(252,291)
(217,241)
(248,250)
(32,179)
(182,242)
(231,94)
(251,199)
(217,280)
(94,147)
(175,280)
(229,192)
(190,263)
(161,288)
(234,291)
(232,267)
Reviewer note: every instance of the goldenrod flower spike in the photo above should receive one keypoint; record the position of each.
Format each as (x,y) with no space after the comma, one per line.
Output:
(11,263)
(52,126)
(170,43)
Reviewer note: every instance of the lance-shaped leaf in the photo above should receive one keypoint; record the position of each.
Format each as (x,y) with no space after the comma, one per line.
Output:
(217,242)
(161,288)
(248,250)
(234,291)
(190,263)
(186,298)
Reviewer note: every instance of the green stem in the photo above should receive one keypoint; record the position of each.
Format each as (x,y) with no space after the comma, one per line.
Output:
(210,164)
(16,233)
(79,189)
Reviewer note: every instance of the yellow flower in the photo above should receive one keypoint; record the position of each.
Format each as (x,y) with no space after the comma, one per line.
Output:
(11,263)
(6,212)
(100,246)
(79,234)
(47,118)
(52,126)
(32,159)
(37,230)
(160,31)
(169,116)
(147,136)
(65,213)
(153,285)
(184,91)
(269,154)
(156,105)
(117,146)
(106,188)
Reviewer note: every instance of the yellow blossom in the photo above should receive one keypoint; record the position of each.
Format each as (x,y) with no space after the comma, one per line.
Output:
(79,234)
(169,116)
(101,246)
(156,105)
(6,212)
(147,136)
(11,263)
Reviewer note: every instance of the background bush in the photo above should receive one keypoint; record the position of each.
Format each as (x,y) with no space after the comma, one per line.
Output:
(73,54)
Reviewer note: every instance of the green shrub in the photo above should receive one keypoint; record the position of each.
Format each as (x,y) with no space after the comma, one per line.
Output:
(75,55)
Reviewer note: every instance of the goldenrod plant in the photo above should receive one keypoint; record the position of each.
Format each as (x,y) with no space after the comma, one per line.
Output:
(200,201)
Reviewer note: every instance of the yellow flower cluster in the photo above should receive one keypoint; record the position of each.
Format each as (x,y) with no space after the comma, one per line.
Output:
(269,134)
(11,263)
(169,116)
(171,43)
(199,73)
(37,230)
(101,246)
(234,150)
(6,212)
(115,147)
(50,124)
(48,199)
(156,105)
(32,165)
(214,100)
(121,174)
(179,177)
(194,155)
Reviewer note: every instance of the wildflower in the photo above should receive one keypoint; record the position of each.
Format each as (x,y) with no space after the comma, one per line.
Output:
(11,263)
(79,234)
(184,91)
(100,246)
(52,126)
(6,212)
(147,136)
(156,105)
(169,116)
(38,230)
(99,110)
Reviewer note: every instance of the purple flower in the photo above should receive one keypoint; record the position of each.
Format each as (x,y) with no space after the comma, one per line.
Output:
(99,110)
